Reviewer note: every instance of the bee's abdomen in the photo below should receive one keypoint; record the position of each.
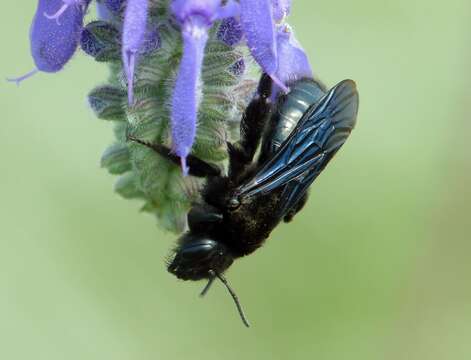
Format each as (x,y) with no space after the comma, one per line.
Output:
(289,110)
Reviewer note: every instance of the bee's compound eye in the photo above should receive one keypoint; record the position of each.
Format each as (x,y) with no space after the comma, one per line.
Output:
(234,203)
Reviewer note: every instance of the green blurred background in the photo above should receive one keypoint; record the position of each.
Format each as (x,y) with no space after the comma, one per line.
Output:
(376,267)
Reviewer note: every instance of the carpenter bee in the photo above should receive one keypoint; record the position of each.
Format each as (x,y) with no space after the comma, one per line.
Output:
(298,133)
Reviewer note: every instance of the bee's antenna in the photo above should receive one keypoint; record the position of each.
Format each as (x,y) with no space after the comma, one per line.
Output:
(234,296)
(208,286)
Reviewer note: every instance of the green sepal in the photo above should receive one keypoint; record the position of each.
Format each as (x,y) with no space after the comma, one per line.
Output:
(164,188)
(116,159)
(105,39)
(218,59)
(126,186)
(108,103)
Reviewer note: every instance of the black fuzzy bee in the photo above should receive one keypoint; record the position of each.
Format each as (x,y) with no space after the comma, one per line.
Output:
(299,134)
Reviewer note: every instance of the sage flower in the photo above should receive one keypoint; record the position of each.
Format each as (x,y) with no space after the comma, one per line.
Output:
(196,17)
(55,34)
(181,74)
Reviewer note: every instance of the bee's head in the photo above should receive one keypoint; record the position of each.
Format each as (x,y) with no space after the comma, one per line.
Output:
(197,257)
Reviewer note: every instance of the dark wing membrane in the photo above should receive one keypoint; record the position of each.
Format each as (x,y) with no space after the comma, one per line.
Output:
(304,154)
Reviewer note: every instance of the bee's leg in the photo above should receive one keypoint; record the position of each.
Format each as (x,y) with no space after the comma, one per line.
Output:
(197,167)
(251,127)
(296,208)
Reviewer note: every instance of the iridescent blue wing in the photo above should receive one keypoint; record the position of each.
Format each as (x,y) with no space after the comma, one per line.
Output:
(320,133)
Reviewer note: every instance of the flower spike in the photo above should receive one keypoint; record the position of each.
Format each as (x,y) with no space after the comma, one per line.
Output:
(134,30)
(184,67)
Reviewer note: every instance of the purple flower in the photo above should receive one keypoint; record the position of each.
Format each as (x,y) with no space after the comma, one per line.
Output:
(134,30)
(259,29)
(54,42)
(272,43)
(195,17)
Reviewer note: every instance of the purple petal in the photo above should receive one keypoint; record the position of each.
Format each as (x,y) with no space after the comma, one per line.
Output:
(185,98)
(259,29)
(293,63)
(134,30)
(281,9)
(53,43)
